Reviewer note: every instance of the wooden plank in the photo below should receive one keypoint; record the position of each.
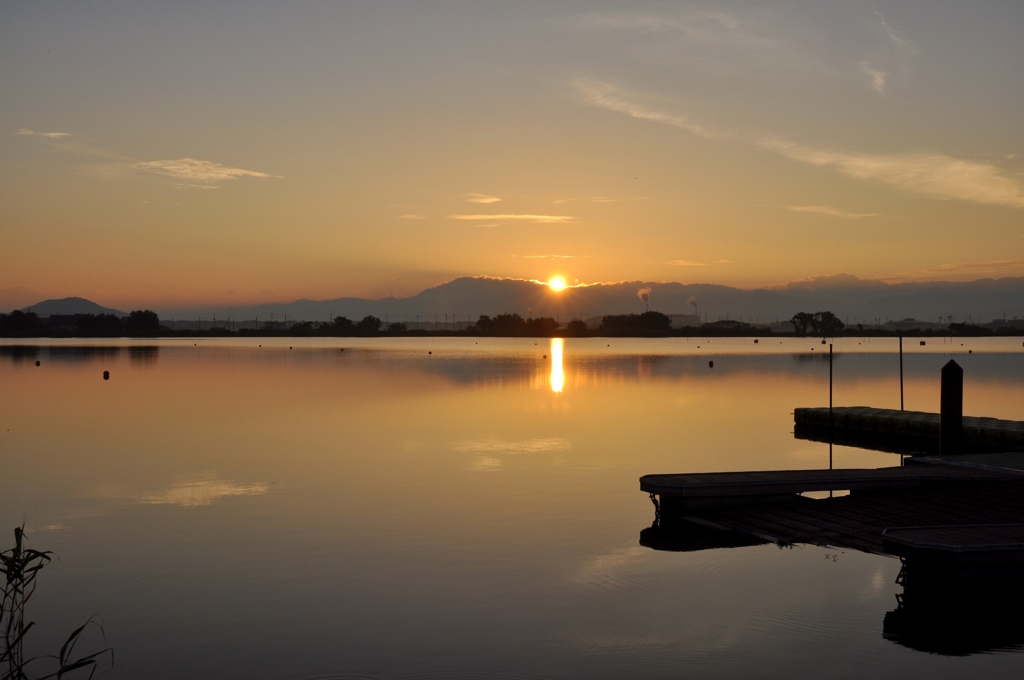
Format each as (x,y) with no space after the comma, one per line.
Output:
(720,484)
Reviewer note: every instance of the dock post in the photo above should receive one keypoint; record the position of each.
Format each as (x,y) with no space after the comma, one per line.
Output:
(951,409)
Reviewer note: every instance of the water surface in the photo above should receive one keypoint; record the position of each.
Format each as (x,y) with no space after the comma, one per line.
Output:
(449,507)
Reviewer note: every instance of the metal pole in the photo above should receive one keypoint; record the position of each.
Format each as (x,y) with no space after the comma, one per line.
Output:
(901,372)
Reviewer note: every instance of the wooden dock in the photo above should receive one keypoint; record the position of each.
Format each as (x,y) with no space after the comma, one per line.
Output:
(769,505)
(902,430)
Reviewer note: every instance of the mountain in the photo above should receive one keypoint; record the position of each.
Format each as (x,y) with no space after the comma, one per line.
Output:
(71,305)
(851,298)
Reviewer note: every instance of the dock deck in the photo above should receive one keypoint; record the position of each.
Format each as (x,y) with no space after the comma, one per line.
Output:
(904,431)
(768,505)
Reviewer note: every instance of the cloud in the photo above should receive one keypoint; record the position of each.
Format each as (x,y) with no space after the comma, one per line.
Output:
(481,198)
(932,174)
(411,217)
(542,257)
(957,269)
(51,135)
(877,77)
(725,261)
(831,212)
(687,263)
(192,170)
(540,219)
(904,45)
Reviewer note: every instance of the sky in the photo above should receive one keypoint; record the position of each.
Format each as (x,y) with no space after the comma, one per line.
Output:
(187,153)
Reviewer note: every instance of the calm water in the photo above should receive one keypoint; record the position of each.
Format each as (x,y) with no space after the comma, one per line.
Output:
(237,511)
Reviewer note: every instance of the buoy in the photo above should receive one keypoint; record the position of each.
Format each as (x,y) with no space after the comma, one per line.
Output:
(545,356)
(823,341)
(755,341)
(37,362)
(106,375)
(970,351)
(289,346)
(429,352)
(711,364)
(922,343)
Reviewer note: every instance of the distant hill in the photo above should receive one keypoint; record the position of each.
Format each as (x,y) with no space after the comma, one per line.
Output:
(71,305)
(851,298)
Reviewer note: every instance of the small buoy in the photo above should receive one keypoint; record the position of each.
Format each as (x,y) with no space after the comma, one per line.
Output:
(922,343)
(37,362)
(262,346)
(823,341)
(755,341)
(289,346)
(106,375)
(711,364)
(545,356)
(429,352)
(970,351)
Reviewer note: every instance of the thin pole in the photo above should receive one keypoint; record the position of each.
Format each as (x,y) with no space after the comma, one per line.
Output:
(901,372)
(831,422)
(830,381)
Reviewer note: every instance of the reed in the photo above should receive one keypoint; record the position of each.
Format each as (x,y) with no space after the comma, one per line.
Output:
(20,566)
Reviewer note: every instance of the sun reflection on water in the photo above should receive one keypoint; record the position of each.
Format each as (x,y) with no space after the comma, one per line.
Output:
(557,374)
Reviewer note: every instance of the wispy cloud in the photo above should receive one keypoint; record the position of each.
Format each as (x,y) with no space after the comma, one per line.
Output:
(544,257)
(904,45)
(930,174)
(687,263)
(540,219)
(831,212)
(954,270)
(411,217)
(895,53)
(481,198)
(51,135)
(193,170)
(725,261)
(877,77)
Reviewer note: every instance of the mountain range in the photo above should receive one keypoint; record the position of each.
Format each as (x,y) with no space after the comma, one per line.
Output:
(851,298)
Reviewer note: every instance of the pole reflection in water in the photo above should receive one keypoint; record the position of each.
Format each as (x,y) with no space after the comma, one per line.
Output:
(557,374)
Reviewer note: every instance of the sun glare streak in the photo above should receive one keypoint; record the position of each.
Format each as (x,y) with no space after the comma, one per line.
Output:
(557,283)
(557,373)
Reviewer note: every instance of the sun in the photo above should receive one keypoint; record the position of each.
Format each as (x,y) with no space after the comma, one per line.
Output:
(556,283)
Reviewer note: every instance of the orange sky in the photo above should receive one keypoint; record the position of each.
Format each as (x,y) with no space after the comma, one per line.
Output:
(194,155)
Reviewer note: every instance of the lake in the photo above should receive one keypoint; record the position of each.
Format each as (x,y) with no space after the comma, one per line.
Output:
(450,507)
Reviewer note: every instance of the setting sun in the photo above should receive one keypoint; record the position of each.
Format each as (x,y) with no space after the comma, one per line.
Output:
(556,283)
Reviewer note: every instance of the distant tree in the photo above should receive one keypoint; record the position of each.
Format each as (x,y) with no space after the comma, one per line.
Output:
(542,326)
(802,322)
(397,328)
(576,327)
(19,323)
(98,326)
(370,325)
(142,323)
(303,329)
(340,326)
(827,323)
(648,321)
(819,323)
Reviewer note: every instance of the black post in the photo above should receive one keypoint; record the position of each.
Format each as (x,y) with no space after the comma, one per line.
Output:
(830,381)
(901,372)
(951,409)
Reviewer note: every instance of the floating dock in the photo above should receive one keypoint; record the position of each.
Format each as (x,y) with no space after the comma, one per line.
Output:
(902,431)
